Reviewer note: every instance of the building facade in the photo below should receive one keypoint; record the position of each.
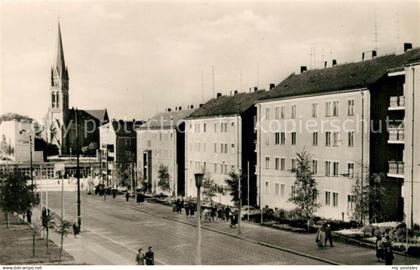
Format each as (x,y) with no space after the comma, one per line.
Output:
(161,146)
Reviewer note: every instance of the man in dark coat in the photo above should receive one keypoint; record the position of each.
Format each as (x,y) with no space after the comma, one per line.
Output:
(149,257)
(29,216)
(328,236)
(127,196)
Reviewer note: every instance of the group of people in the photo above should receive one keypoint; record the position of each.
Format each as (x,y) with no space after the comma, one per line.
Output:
(147,258)
(384,250)
(189,207)
(323,236)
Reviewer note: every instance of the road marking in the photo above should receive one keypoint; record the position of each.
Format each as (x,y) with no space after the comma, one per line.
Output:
(120,244)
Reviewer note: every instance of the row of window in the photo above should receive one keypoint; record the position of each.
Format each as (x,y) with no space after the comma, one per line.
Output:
(332,138)
(332,168)
(222,148)
(221,127)
(218,168)
(331,109)
(330,198)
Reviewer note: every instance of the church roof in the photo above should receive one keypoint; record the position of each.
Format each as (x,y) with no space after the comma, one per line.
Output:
(342,77)
(60,64)
(101,115)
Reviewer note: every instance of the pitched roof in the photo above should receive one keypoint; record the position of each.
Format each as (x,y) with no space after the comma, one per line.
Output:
(101,115)
(341,77)
(166,119)
(60,63)
(125,128)
(228,105)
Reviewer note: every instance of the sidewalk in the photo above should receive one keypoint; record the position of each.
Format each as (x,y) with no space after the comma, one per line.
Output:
(16,245)
(297,243)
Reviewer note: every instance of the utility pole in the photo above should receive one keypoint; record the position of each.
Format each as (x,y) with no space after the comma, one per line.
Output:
(240,202)
(79,215)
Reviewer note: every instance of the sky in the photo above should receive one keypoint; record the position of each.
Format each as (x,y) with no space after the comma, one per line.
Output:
(137,58)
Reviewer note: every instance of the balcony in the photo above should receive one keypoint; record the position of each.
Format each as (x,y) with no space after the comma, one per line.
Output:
(396,103)
(396,136)
(395,169)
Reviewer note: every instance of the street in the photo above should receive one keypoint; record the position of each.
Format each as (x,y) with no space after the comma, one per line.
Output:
(112,234)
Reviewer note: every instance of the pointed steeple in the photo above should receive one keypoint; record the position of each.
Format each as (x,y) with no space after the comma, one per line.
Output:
(60,64)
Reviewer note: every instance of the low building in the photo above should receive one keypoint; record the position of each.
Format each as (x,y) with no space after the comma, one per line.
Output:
(161,144)
(339,116)
(118,152)
(220,138)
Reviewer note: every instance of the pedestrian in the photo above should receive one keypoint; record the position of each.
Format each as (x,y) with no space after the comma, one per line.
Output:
(138,197)
(379,245)
(114,193)
(227,213)
(320,236)
(187,210)
(29,216)
(213,212)
(328,236)
(388,254)
(150,257)
(177,205)
(181,205)
(140,257)
(192,209)
(127,196)
(75,230)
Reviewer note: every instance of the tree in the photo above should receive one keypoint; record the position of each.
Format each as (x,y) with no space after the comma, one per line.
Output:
(233,187)
(376,197)
(209,188)
(306,192)
(123,174)
(63,228)
(164,183)
(15,193)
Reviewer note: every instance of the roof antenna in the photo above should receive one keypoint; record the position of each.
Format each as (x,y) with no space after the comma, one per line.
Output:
(376,30)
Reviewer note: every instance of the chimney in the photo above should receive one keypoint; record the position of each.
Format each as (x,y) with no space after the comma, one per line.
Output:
(373,54)
(303,69)
(272,85)
(407,46)
(180,108)
(192,107)
(219,95)
(334,62)
(235,92)
(169,109)
(255,88)
(363,56)
(201,105)
(325,64)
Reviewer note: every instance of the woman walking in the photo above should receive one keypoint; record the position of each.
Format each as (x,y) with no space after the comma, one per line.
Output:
(320,236)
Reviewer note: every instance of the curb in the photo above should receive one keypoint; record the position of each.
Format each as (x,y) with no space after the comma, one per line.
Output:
(236,236)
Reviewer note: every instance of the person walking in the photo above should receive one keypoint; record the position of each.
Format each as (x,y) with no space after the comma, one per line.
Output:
(150,257)
(227,213)
(75,230)
(29,216)
(320,236)
(140,257)
(379,246)
(127,196)
(388,254)
(181,205)
(187,210)
(328,236)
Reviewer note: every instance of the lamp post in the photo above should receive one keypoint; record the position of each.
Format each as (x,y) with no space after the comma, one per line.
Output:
(198,183)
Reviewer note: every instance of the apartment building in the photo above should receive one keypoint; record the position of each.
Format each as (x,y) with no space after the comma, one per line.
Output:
(338,116)
(161,142)
(118,151)
(220,138)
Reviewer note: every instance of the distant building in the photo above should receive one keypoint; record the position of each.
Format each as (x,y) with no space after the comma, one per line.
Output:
(61,121)
(339,115)
(161,143)
(220,138)
(118,151)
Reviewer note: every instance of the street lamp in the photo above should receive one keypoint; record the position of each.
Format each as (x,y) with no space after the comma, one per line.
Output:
(198,183)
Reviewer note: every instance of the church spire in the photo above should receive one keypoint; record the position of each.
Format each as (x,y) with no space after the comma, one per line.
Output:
(60,64)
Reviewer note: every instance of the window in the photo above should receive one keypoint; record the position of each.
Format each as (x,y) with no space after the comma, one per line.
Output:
(277,189)
(293,138)
(314,166)
(58,100)
(277,138)
(335,199)
(277,113)
(293,163)
(328,138)
(282,164)
(215,147)
(53,99)
(282,190)
(282,138)
(267,187)
(282,112)
(351,138)
(222,148)
(293,191)
(267,113)
(215,167)
(277,163)
(293,116)
(350,107)
(221,168)
(350,170)
(267,139)
(336,138)
(335,108)
(267,163)
(314,110)
(215,127)
(327,198)
(315,138)
(335,168)
(327,168)
(204,127)
(350,201)
(328,109)
(226,171)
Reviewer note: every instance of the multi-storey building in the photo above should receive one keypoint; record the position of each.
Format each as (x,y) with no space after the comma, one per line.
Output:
(118,151)
(161,143)
(220,138)
(338,115)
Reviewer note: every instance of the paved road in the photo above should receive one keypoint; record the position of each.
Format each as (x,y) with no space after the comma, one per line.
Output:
(111,234)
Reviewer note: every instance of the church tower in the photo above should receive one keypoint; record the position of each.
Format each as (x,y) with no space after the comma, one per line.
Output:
(59,98)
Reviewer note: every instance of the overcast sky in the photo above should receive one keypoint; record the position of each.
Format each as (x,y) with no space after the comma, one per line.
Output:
(137,58)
